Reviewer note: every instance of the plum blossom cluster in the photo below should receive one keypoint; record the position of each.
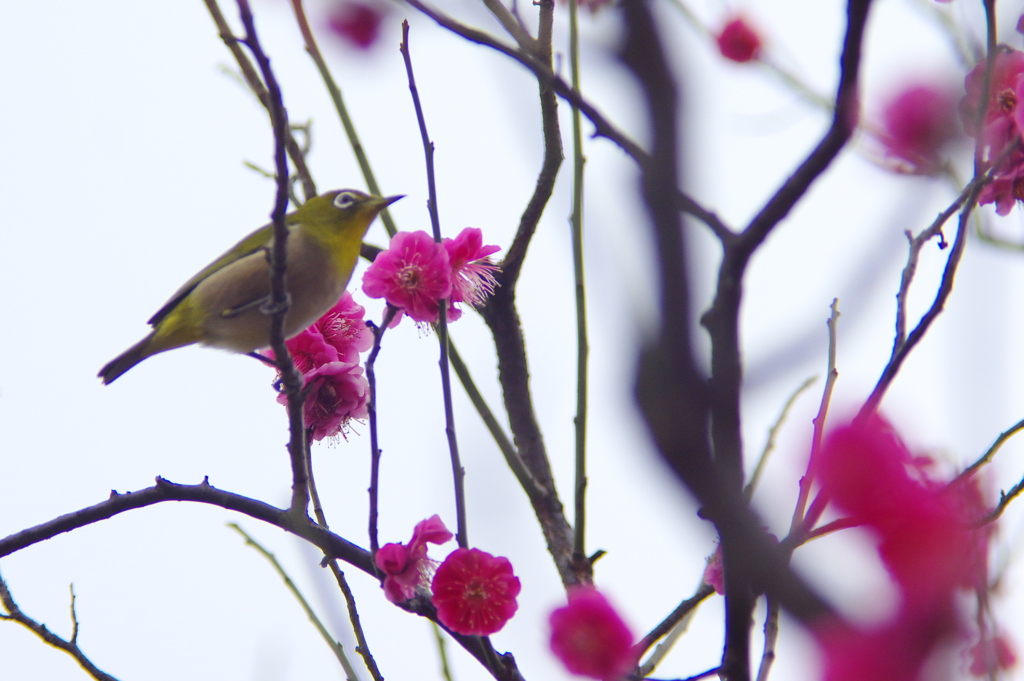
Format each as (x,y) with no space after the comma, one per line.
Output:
(929,541)
(998,128)
(590,638)
(415,273)
(474,592)
(327,355)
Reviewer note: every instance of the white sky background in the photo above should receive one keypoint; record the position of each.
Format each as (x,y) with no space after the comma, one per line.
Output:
(121,174)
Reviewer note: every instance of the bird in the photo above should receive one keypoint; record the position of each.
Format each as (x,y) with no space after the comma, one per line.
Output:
(220,306)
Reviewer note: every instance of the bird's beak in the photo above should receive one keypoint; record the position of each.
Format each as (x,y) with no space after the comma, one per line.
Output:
(388,200)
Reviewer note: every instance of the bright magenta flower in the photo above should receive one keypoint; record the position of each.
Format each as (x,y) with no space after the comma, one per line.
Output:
(472,271)
(738,41)
(475,592)
(991,655)
(413,274)
(344,328)
(356,22)
(590,638)
(917,123)
(406,567)
(1001,126)
(338,392)
(927,542)
(714,575)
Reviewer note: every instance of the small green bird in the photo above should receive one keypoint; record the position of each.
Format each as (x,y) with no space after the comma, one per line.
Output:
(220,306)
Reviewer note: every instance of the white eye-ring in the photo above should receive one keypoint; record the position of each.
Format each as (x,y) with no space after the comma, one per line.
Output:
(345,200)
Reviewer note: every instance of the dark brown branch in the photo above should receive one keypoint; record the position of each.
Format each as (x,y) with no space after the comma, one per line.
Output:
(280,301)
(331,544)
(70,647)
(771,635)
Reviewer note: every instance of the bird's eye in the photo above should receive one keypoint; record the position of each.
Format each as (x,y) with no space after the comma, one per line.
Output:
(345,200)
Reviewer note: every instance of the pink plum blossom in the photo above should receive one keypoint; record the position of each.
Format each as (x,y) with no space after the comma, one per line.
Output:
(406,567)
(413,274)
(738,41)
(344,328)
(590,638)
(475,592)
(337,393)
(472,271)
(990,655)
(917,123)
(714,575)
(927,540)
(1001,126)
(358,23)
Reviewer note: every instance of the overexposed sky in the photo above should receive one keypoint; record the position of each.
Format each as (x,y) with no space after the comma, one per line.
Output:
(121,174)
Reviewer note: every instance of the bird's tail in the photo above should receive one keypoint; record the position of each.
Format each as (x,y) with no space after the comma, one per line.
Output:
(127,359)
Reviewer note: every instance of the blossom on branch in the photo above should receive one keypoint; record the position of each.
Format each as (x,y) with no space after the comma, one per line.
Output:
(998,129)
(413,274)
(327,355)
(475,592)
(472,270)
(337,393)
(590,638)
(406,566)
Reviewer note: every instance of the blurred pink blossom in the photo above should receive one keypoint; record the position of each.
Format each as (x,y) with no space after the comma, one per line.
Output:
(590,638)
(358,23)
(738,41)
(917,123)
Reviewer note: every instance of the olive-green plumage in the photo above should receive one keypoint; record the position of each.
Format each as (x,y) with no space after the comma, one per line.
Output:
(220,306)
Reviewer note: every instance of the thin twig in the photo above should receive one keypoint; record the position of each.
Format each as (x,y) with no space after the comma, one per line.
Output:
(371,379)
(829,528)
(798,522)
(333,644)
(458,472)
(70,647)
(353,614)
(442,651)
(987,456)
(769,445)
(582,346)
(936,308)
(681,611)
(603,127)
(508,450)
(256,86)
(680,618)
(771,635)
(279,298)
(339,106)
(1004,500)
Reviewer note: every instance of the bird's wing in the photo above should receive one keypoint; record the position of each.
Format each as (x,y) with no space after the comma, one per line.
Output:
(259,239)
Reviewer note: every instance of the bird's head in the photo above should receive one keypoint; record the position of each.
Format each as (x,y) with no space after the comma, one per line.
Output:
(342,210)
